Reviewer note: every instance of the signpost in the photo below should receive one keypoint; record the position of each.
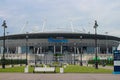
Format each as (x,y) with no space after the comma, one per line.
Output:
(116,62)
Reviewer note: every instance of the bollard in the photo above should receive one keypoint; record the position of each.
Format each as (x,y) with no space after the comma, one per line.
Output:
(61,70)
(26,69)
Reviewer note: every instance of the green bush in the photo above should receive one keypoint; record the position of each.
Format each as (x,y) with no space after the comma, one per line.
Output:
(100,62)
(11,61)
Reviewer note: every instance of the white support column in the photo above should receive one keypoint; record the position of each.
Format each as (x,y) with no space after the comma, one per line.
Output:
(40,49)
(19,50)
(37,50)
(16,50)
(78,51)
(98,50)
(118,48)
(74,54)
(54,49)
(7,50)
(61,49)
(107,50)
(34,50)
(74,50)
(114,48)
(1,50)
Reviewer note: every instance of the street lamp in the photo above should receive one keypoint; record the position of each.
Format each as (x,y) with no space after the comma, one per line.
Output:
(3,58)
(81,52)
(26,48)
(74,52)
(7,42)
(106,43)
(35,55)
(95,27)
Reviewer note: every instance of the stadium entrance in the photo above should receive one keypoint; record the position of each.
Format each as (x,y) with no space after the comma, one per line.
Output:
(57,52)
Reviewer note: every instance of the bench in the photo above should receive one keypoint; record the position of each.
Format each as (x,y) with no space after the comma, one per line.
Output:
(44,69)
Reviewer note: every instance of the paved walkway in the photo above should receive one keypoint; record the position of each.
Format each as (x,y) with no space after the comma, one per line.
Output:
(69,76)
(105,67)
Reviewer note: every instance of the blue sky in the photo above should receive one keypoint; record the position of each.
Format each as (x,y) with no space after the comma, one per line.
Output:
(59,13)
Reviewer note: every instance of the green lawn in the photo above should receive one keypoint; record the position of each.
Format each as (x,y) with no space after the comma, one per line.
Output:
(83,69)
(13,69)
(68,69)
(31,69)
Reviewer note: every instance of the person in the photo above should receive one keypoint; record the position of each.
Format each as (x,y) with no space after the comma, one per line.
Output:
(103,64)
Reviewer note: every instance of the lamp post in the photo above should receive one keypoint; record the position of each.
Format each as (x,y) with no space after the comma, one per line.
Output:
(35,55)
(106,43)
(26,48)
(7,42)
(95,27)
(3,58)
(71,51)
(81,53)
(74,52)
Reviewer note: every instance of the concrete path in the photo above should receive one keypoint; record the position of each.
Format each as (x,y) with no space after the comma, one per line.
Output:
(68,76)
(105,67)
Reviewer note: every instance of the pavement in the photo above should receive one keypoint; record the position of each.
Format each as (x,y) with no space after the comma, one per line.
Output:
(105,67)
(64,76)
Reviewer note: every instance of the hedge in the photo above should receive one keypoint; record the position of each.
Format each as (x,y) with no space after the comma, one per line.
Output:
(13,61)
(100,62)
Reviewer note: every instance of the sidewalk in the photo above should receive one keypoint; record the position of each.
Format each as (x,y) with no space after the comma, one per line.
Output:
(68,76)
(105,67)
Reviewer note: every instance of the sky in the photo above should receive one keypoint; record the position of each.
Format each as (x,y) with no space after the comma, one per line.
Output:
(57,15)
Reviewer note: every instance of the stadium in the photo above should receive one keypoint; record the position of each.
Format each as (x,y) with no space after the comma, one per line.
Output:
(63,47)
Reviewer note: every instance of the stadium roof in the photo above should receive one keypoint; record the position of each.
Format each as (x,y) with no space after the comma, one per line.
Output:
(58,34)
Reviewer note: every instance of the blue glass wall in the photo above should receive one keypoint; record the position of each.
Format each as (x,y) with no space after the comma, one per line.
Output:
(90,50)
(23,49)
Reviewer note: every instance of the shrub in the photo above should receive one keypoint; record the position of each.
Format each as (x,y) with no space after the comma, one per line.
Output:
(13,61)
(100,62)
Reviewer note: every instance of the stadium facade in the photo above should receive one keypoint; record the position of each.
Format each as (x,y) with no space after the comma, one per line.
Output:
(43,47)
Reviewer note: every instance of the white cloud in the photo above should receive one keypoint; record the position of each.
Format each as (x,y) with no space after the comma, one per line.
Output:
(59,12)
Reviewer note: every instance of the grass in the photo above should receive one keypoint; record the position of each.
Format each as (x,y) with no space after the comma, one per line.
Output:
(83,69)
(13,69)
(16,69)
(68,69)
(31,69)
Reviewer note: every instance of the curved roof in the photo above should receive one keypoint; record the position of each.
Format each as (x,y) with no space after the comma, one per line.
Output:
(64,35)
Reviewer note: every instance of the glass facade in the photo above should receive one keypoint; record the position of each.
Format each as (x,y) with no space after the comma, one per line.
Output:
(47,48)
